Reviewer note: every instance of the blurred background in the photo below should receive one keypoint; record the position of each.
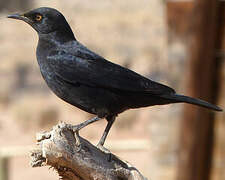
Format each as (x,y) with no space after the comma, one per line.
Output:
(152,37)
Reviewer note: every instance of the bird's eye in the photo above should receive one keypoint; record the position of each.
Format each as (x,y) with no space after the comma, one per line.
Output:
(38,17)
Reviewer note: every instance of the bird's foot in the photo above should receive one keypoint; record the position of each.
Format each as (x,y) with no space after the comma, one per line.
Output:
(103,149)
(77,138)
(75,129)
(106,151)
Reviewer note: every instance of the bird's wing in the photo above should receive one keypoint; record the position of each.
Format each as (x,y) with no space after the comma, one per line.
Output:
(88,68)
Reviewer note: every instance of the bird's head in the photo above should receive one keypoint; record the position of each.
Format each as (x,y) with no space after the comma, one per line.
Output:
(45,20)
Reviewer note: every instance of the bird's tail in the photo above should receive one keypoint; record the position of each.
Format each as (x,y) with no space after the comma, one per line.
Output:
(180,98)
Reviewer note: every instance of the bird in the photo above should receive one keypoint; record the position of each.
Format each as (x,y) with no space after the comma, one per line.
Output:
(87,80)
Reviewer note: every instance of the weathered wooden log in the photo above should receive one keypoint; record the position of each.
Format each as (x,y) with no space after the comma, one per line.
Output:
(74,158)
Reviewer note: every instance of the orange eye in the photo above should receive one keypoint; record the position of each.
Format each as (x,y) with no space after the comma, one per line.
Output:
(38,17)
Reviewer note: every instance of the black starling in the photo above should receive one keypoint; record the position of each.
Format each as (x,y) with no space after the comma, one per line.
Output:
(88,81)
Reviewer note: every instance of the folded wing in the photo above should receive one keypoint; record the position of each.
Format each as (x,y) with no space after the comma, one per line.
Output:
(84,66)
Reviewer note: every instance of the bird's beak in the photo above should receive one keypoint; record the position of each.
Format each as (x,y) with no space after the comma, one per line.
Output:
(20,17)
(17,16)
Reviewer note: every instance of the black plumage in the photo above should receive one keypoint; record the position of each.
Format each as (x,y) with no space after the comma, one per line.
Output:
(87,80)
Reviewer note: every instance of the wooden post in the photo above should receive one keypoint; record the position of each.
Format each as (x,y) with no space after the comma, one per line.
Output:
(3,168)
(196,140)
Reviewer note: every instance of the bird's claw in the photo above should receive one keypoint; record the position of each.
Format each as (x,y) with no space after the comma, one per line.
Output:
(103,149)
(106,151)
(77,138)
(75,129)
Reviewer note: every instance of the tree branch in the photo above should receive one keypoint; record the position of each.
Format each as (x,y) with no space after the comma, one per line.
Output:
(59,149)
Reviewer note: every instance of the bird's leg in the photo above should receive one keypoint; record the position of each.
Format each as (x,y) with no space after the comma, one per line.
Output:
(78,127)
(102,140)
(85,123)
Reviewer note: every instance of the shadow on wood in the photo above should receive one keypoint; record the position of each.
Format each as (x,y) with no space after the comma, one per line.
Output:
(59,149)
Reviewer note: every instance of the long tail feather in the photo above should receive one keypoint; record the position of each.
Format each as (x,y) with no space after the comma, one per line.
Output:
(180,98)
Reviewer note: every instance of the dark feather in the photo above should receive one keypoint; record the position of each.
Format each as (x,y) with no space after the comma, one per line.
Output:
(78,64)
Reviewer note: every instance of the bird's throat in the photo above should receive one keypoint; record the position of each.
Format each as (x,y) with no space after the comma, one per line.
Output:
(57,37)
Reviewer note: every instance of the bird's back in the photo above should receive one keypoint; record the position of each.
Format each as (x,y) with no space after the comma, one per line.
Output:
(88,81)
